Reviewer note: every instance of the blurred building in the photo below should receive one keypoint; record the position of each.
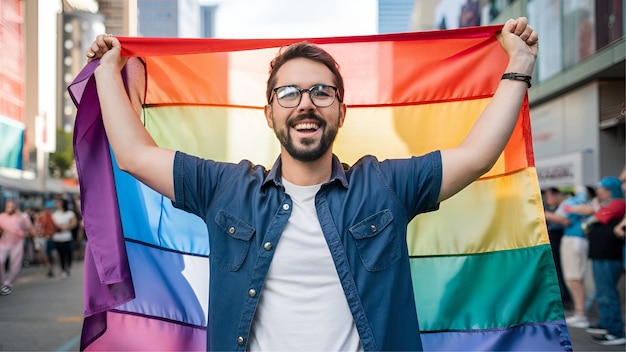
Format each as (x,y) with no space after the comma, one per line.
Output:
(31,30)
(120,16)
(207,21)
(394,16)
(12,122)
(578,98)
(77,30)
(168,18)
(47,41)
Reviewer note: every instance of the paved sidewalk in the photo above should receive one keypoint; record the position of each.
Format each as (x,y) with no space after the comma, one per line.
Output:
(43,314)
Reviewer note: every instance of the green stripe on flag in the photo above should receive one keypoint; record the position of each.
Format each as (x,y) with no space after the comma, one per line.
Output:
(486,291)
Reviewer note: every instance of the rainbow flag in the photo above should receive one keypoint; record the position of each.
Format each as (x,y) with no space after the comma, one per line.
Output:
(482,268)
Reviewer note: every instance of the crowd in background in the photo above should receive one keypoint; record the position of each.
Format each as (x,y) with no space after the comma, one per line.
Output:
(50,235)
(586,228)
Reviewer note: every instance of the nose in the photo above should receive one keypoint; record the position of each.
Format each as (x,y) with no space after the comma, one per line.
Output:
(306,104)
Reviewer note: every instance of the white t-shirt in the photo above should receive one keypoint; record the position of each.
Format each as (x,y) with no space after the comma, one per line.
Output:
(302,304)
(62,218)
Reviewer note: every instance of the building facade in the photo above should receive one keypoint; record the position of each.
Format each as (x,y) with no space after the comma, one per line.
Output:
(12,77)
(577,100)
(394,16)
(168,18)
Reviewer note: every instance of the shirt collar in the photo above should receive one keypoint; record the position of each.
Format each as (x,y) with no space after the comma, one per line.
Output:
(338,173)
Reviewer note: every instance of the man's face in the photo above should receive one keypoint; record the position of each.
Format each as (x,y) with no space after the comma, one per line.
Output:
(306,131)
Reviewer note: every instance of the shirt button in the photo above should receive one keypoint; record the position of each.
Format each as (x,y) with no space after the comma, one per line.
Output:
(252,292)
(373,227)
(231,230)
(286,206)
(240,341)
(267,246)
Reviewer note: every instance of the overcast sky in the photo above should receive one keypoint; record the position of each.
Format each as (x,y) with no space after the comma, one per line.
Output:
(294,19)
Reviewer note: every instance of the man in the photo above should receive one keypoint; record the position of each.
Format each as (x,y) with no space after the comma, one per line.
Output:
(311,254)
(14,228)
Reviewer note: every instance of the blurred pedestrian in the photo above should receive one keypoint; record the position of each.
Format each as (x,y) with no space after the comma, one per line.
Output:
(553,197)
(620,230)
(42,232)
(574,259)
(78,233)
(606,252)
(14,228)
(64,220)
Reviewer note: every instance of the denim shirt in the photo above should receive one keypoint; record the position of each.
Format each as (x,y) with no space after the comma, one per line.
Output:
(363,211)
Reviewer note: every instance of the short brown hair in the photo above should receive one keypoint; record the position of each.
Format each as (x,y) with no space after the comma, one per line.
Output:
(308,51)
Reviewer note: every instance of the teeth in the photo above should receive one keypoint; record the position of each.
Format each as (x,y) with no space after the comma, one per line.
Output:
(306,126)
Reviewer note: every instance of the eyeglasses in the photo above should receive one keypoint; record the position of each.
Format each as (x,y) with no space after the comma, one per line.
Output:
(321,95)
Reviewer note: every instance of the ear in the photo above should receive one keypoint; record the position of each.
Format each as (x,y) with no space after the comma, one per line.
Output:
(342,110)
(268,115)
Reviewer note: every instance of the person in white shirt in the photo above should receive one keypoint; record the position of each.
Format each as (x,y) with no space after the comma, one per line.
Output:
(65,220)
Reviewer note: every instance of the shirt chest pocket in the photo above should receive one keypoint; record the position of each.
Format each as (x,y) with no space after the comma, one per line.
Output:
(230,246)
(377,241)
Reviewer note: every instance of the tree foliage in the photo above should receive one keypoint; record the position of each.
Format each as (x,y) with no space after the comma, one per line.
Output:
(63,159)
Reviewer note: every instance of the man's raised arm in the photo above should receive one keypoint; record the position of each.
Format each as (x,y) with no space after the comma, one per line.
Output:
(135,150)
(483,145)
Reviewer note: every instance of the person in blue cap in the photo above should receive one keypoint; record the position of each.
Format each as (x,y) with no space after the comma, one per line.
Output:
(573,254)
(612,203)
(606,253)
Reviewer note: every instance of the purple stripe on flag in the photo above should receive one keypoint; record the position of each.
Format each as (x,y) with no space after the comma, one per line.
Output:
(107,275)
(165,291)
(527,337)
(129,332)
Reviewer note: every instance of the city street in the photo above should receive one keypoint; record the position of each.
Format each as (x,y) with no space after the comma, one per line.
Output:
(45,314)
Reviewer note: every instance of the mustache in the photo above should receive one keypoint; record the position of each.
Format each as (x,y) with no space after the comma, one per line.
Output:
(308,116)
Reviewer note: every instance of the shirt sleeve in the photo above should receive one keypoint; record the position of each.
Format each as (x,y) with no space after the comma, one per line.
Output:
(416,181)
(197,180)
(613,211)
(189,185)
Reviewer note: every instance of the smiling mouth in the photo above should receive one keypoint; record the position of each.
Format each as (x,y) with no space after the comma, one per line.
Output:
(306,127)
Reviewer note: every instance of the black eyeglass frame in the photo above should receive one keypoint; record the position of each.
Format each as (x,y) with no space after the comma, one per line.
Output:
(335,89)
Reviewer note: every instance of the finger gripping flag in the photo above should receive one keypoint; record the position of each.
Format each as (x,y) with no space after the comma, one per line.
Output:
(482,269)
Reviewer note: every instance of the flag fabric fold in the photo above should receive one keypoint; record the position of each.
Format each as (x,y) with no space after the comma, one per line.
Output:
(482,269)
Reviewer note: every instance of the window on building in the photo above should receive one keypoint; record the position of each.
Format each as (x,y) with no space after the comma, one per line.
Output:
(579,38)
(545,15)
(609,22)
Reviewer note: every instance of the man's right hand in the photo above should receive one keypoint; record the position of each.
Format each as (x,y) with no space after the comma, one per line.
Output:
(135,150)
(108,49)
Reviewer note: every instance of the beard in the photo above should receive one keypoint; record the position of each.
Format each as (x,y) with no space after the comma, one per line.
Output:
(310,149)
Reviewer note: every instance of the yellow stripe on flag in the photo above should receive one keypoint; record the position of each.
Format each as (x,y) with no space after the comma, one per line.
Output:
(488,215)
